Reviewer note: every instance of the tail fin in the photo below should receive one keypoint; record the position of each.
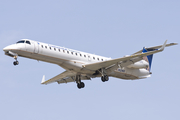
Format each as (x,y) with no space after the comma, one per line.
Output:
(148,58)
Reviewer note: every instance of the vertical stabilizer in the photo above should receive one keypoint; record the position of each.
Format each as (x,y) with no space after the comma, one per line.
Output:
(148,58)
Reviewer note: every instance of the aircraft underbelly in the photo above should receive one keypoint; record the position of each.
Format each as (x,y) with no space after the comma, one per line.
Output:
(72,65)
(75,66)
(39,57)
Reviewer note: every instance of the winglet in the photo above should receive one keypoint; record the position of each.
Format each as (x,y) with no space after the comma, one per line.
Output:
(163,46)
(43,79)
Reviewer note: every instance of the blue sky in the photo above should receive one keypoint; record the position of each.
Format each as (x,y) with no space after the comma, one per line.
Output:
(110,28)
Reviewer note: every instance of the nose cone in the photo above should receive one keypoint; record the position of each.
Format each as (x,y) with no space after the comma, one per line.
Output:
(10,47)
(6,48)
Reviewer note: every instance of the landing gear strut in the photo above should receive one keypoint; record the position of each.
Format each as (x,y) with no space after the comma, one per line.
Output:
(79,83)
(15,62)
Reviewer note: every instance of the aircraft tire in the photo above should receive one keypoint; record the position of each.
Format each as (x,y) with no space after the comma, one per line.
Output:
(80,85)
(16,63)
(104,78)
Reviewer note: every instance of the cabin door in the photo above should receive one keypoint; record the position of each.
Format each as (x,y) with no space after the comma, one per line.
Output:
(36,47)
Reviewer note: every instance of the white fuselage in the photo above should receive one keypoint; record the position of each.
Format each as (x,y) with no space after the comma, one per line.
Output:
(73,60)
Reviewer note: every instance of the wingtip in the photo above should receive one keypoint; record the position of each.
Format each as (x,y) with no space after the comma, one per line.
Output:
(174,43)
(163,46)
(43,79)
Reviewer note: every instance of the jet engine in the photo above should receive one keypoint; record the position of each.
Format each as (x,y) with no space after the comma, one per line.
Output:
(139,65)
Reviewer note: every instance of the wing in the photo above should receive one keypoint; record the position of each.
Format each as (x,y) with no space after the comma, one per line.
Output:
(123,61)
(64,77)
(59,77)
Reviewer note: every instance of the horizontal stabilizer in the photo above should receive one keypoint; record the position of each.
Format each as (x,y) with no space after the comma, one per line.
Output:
(157,47)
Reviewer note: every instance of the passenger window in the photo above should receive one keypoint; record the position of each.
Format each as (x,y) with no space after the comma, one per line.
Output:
(50,48)
(72,53)
(80,55)
(84,55)
(42,46)
(59,50)
(55,49)
(97,58)
(94,58)
(64,51)
(68,52)
(102,59)
(46,47)
(76,53)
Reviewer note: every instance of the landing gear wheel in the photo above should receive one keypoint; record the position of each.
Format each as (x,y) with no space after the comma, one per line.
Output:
(16,63)
(80,85)
(104,78)
(78,81)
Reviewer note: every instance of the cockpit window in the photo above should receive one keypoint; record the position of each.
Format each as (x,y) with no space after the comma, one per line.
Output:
(22,41)
(28,42)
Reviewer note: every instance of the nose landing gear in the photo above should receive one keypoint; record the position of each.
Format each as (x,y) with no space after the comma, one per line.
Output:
(15,62)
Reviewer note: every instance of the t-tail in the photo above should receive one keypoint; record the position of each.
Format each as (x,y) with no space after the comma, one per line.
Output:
(148,58)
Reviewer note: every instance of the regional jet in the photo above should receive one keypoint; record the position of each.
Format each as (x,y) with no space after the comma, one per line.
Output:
(85,66)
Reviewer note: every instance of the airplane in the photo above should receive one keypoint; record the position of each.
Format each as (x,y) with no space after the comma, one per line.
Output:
(85,66)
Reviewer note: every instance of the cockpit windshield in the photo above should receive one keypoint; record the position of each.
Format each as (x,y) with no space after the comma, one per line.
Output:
(22,41)
(28,42)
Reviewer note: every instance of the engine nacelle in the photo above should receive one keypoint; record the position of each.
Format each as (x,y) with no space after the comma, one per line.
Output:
(139,65)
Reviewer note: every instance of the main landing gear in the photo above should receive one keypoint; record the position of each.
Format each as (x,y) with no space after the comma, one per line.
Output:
(104,77)
(15,62)
(79,83)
